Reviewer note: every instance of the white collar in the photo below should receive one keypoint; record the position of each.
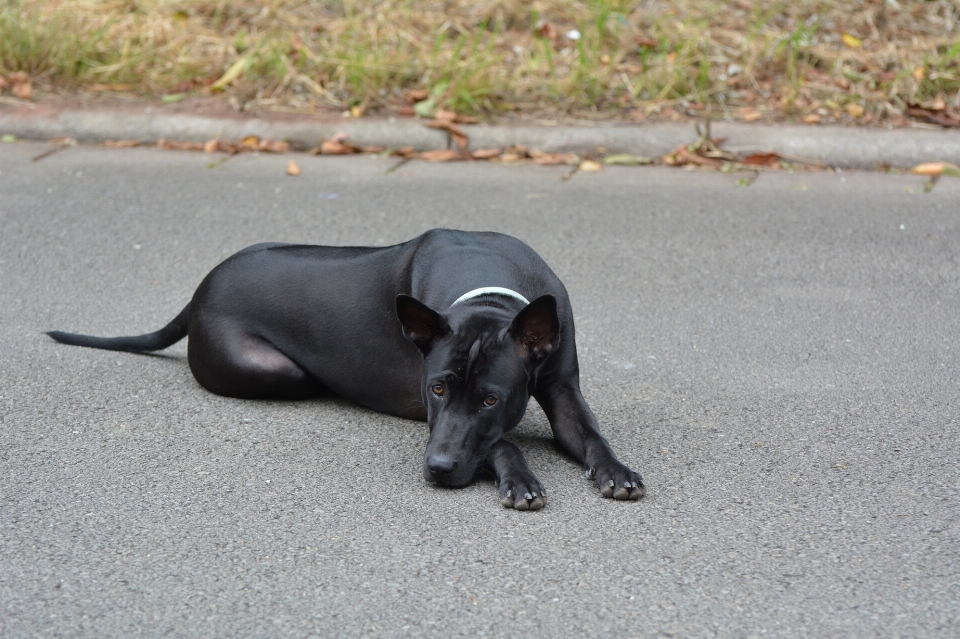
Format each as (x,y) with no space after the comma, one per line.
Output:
(490,290)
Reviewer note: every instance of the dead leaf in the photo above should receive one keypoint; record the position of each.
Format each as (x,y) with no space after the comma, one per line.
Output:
(459,137)
(590,166)
(855,110)
(292,168)
(943,118)
(485,154)
(936,169)
(63,140)
(121,144)
(842,82)
(228,147)
(22,87)
(417,95)
(851,40)
(763,159)
(273,146)
(173,145)
(918,74)
(336,147)
(548,31)
(554,159)
(626,159)
(750,115)
(645,42)
(210,146)
(4,83)
(442,155)
(249,143)
(405,152)
(813,118)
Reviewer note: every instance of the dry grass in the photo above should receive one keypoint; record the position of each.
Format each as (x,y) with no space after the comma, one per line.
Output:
(825,60)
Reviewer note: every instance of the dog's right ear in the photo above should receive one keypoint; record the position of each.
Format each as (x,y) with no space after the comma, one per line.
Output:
(421,324)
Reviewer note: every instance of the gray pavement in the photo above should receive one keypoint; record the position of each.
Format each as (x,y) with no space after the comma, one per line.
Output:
(781,361)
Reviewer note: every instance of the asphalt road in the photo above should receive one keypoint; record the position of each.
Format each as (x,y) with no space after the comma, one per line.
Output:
(781,361)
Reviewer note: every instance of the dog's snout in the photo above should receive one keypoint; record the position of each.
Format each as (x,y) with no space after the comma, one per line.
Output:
(441,465)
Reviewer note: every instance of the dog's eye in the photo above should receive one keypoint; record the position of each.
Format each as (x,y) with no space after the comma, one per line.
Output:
(489,400)
(437,390)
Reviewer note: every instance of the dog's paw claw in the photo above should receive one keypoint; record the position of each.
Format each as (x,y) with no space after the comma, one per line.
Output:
(616,481)
(524,493)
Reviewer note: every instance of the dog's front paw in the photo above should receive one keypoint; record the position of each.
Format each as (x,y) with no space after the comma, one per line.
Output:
(617,481)
(522,492)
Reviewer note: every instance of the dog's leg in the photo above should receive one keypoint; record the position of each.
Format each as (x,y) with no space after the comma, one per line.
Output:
(237,364)
(519,487)
(575,429)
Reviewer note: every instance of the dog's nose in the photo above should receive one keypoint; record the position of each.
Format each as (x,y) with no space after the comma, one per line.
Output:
(441,465)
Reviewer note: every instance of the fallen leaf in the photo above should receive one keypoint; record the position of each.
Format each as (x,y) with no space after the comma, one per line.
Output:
(554,159)
(943,118)
(459,137)
(336,147)
(4,83)
(936,168)
(22,88)
(442,155)
(485,154)
(763,159)
(852,41)
(8,138)
(405,152)
(842,82)
(210,146)
(750,115)
(813,118)
(589,166)
(121,144)
(63,140)
(273,146)
(854,109)
(170,98)
(292,168)
(234,72)
(645,42)
(417,95)
(918,74)
(173,145)
(250,142)
(425,108)
(938,103)
(626,159)
(548,31)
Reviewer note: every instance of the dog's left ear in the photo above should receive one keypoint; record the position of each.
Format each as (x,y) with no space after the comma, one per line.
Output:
(537,327)
(421,324)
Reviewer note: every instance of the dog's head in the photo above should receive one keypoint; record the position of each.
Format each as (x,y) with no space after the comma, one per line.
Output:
(478,368)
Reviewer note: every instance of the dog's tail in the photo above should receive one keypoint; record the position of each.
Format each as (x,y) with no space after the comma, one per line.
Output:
(169,334)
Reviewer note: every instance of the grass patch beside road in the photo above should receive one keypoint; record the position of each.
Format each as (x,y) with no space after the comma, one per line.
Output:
(806,60)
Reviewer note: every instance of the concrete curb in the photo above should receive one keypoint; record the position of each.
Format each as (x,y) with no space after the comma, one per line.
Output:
(833,146)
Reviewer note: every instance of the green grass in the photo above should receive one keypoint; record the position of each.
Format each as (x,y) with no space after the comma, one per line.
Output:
(780,59)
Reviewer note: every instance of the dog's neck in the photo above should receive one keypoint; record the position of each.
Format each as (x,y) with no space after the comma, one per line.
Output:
(490,290)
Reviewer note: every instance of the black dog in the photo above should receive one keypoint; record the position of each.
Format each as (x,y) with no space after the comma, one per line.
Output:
(289,321)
